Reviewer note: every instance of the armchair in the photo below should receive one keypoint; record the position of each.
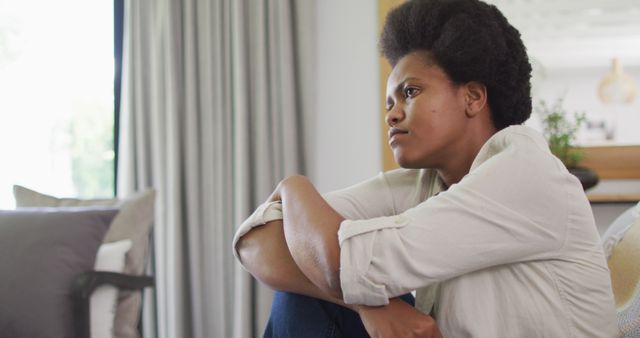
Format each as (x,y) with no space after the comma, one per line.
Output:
(622,246)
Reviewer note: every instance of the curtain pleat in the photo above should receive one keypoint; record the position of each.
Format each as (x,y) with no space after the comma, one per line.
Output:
(210,118)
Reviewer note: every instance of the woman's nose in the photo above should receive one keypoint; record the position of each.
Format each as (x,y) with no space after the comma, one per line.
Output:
(394,116)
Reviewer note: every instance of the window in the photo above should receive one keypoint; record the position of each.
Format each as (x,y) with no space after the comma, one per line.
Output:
(56,97)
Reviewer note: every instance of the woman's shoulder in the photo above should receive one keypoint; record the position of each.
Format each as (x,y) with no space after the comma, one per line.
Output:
(411,186)
(511,143)
(518,153)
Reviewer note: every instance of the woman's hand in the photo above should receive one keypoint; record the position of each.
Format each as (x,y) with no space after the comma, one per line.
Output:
(397,319)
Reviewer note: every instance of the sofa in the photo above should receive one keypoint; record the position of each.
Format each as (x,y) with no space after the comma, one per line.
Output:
(72,267)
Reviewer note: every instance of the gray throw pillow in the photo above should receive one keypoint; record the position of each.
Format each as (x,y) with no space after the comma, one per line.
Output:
(41,252)
(132,222)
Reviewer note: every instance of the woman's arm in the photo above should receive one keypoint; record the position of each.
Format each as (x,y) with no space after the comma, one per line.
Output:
(303,250)
(311,232)
(265,255)
(368,199)
(265,244)
(312,219)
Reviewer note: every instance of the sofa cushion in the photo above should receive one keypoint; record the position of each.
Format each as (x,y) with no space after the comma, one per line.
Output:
(41,252)
(132,222)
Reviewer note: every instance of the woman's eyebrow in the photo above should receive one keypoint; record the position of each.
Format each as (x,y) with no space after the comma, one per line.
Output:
(403,82)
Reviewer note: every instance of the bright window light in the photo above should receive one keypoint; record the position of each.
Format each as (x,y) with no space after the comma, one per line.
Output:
(56,97)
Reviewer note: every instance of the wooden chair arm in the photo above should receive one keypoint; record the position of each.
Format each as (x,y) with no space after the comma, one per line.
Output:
(87,282)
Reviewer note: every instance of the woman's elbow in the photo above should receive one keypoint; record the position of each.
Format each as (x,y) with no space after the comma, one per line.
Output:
(263,253)
(248,253)
(250,258)
(332,278)
(334,289)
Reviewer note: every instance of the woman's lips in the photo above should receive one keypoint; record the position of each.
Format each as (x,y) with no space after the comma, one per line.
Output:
(395,133)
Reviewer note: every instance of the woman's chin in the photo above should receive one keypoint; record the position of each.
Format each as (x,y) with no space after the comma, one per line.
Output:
(407,158)
(406,163)
(412,162)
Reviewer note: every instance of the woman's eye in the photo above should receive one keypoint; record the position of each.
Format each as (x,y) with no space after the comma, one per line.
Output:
(410,92)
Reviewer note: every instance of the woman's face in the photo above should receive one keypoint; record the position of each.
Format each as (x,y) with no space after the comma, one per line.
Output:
(425,113)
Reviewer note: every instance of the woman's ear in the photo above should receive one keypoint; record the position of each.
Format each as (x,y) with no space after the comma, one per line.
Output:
(475,98)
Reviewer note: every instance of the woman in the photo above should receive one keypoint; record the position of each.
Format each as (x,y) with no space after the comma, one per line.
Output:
(495,235)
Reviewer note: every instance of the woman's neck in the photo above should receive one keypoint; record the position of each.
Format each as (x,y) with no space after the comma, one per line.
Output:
(459,166)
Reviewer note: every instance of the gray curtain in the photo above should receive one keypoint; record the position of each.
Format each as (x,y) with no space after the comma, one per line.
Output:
(211,118)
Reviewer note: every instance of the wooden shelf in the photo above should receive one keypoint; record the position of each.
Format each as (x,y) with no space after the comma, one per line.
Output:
(613,198)
(613,162)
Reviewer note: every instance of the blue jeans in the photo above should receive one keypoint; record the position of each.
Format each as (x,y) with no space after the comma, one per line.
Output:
(297,316)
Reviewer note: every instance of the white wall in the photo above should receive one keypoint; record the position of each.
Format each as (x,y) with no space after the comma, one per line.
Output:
(343,132)
(577,86)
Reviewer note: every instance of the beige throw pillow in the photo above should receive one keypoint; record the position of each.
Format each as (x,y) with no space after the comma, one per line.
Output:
(133,222)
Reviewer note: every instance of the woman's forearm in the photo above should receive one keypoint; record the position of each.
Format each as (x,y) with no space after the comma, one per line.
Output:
(265,255)
(311,232)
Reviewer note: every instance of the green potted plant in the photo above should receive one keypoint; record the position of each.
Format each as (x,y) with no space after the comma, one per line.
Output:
(560,131)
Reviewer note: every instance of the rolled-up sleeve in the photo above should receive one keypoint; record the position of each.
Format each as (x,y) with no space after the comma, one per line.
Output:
(355,260)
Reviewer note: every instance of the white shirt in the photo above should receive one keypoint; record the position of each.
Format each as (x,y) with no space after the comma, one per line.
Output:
(513,246)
